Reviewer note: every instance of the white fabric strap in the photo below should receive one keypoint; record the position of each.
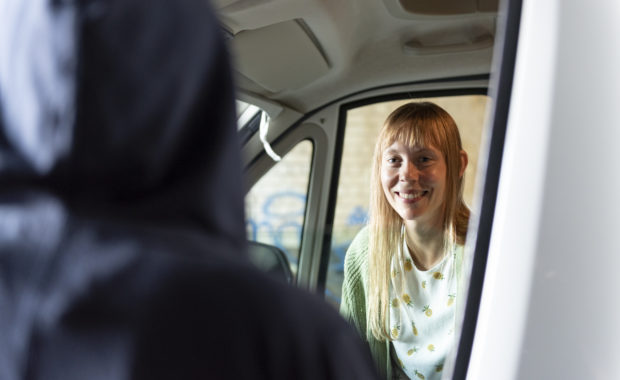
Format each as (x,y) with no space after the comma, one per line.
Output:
(263,129)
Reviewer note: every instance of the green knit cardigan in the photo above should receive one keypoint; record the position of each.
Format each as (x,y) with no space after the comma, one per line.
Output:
(354,296)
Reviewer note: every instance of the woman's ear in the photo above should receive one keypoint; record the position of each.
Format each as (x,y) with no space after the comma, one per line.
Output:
(464,161)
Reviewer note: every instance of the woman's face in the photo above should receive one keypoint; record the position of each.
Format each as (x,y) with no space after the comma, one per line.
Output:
(414,181)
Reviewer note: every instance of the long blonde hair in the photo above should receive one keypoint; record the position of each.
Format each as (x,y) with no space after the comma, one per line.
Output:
(421,124)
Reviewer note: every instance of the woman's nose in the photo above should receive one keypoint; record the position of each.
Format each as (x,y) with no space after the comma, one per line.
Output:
(409,172)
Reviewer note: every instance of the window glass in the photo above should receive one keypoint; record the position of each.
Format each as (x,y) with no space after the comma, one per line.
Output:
(275,206)
(362,130)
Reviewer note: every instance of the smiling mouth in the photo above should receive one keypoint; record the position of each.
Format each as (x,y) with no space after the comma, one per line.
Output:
(414,196)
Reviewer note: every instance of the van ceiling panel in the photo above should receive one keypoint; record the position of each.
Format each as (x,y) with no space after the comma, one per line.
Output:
(278,57)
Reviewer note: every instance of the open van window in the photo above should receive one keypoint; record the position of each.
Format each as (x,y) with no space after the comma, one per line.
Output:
(363,122)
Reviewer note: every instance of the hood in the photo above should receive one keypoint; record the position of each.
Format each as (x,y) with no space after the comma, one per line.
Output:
(118,109)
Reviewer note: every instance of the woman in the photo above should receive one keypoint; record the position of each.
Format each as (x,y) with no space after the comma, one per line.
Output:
(403,271)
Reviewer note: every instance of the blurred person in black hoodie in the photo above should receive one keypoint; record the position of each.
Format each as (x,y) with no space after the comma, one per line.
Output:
(122,247)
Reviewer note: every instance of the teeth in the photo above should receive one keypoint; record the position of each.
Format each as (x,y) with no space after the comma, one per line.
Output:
(411,195)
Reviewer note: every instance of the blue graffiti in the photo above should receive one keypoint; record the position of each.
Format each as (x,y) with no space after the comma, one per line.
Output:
(358,216)
(277,197)
(283,229)
(278,224)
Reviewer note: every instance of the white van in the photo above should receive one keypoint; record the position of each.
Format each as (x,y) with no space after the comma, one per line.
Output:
(535,89)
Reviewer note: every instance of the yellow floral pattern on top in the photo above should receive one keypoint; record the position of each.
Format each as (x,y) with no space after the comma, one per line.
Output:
(425,301)
(408,265)
(427,311)
(395,331)
(451,298)
(407,300)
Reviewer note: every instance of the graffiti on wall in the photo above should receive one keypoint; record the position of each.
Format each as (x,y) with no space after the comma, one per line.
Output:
(278,226)
(280,222)
(282,227)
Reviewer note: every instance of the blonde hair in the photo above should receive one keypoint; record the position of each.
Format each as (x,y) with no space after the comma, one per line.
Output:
(421,124)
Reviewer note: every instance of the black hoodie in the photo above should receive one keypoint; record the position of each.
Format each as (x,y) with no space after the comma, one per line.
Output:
(122,247)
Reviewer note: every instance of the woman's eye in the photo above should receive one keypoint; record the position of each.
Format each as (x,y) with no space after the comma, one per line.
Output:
(424,159)
(392,160)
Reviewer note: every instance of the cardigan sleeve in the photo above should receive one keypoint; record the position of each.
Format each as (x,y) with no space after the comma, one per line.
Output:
(353,306)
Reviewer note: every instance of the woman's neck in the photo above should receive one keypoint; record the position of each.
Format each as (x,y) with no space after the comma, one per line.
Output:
(425,243)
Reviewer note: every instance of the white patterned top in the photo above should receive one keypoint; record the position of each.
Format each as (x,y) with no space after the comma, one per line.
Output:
(422,314)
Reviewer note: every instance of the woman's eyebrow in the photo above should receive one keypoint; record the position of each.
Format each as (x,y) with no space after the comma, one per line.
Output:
(390,151)
(425,150)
